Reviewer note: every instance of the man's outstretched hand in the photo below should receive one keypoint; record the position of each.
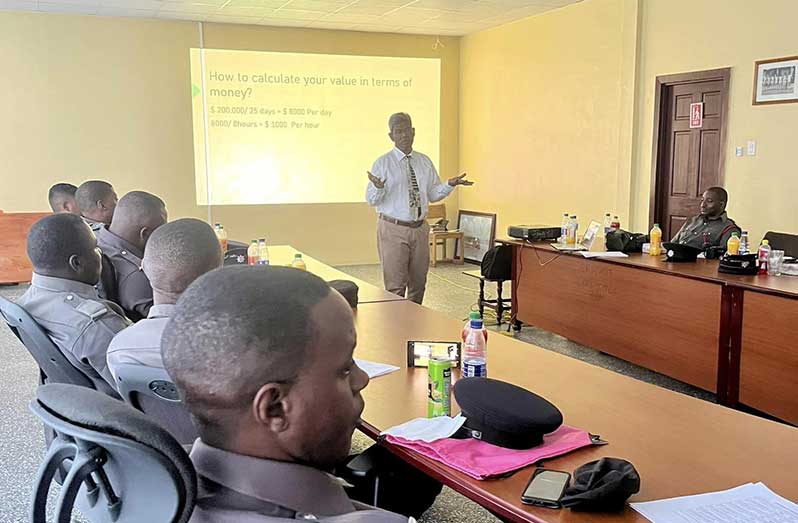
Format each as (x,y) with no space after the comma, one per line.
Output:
(379,184)
(460,180)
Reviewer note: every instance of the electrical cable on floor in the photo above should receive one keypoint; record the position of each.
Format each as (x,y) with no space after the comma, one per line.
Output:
(450,282)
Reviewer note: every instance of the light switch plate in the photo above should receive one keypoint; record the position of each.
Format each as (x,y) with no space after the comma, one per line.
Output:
(751,148)
(738,152)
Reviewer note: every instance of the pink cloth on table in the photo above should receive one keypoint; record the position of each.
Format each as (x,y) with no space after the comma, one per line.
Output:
(482,460)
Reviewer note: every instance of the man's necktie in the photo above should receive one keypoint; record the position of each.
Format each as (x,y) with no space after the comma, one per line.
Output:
(415,194)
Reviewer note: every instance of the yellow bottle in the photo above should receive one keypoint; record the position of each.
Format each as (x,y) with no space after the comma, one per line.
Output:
(733,245)
(655,236)
(298,262)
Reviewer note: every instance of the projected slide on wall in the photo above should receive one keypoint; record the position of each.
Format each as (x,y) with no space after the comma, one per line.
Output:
(276,128)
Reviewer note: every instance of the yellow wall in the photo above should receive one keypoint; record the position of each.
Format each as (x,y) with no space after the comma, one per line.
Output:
(89,97)
(546,114)
(687,35)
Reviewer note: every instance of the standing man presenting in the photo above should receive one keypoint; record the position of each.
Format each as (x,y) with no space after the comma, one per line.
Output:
(402,184)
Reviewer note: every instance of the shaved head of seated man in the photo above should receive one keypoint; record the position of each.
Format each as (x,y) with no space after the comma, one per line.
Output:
(712,220)
(97,202)
(177,253)
(62,198)
(63,300)
(138,214)
(263,360)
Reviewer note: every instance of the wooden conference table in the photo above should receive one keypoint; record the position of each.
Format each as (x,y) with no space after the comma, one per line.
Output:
(367,293)
(724,333)
(680,445)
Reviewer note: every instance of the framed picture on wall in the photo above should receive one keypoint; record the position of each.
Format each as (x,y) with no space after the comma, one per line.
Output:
(774,81)
(479,233)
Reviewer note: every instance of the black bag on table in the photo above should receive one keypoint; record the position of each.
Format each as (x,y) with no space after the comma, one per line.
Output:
(497,264)
(625,241)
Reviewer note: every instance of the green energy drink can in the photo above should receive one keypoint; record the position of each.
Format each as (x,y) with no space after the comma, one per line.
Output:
(439,400)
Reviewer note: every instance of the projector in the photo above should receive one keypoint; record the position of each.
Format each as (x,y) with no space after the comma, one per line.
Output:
(535,233)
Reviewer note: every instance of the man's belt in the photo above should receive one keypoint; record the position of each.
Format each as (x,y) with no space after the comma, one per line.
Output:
(412,225)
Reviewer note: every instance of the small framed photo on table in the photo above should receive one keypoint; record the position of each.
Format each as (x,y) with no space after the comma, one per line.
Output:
(774,81)
(479,233)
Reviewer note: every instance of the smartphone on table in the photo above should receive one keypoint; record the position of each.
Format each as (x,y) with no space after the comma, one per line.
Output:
(545,488)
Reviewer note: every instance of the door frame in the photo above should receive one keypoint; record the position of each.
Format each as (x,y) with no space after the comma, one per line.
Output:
(660,108)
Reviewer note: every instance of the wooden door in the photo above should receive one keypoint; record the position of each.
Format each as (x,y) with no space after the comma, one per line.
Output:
(688,160)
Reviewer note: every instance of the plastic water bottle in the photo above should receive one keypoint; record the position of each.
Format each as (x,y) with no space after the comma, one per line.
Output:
(298,262)
(467,327)
(607,223)
(221,235)
(475,352)
(252,253)
(263,252)
(655,241)
(744,243)
(763,255)
(573,230)
(564,227)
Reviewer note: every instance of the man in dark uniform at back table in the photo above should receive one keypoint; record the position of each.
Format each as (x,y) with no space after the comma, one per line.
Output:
(136,217)
(263,359)
(712,220)
(97,201)
(61,197)
(62,298)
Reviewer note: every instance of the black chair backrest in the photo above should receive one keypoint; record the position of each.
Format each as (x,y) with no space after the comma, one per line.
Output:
(108,287)
(497,264)
(151,391)
(783,242)
(53,365)
(124,467)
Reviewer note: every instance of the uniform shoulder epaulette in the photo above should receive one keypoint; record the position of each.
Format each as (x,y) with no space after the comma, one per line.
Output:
(90,308)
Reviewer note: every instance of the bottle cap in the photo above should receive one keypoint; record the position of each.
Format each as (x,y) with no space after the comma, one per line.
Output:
(473,315)
(476,323)
(297,255)
(765,242)
(656,225)
(735,235)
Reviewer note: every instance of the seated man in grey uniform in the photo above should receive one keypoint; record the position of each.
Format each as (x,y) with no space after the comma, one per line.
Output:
(177,253)
(138,214)
(61,197)
(62,298)
(97,201)
(712,221)
(262,357)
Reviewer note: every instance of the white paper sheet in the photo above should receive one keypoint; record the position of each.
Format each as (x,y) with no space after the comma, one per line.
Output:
(750,503)
(603,254)
(427,429)
(374,369)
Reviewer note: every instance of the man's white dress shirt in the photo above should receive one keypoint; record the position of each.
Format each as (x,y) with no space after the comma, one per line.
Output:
(394,198)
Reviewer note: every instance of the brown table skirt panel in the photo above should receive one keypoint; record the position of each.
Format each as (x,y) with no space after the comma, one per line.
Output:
(769,357)
(664,323)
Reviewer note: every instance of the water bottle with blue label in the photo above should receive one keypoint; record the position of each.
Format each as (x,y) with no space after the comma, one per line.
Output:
(475,352)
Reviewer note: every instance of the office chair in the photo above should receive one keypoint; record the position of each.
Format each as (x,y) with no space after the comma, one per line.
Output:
(125,468)
(783,242)
(151,391)
(54,367)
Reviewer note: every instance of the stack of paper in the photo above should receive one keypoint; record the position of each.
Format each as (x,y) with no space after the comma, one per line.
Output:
(603,254)
(750,503)
(375,369)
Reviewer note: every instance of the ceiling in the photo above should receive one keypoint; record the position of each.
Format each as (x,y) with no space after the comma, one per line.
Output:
(436,17)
